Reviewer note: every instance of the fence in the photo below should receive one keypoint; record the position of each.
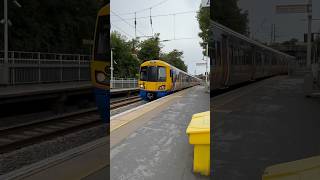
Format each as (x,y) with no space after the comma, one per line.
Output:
(124,83)
(37,67)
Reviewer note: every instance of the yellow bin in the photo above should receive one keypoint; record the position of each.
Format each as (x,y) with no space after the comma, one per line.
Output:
(199,135)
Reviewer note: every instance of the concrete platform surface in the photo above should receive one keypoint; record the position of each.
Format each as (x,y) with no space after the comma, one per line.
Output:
(262,124)
(73,164)
(157,146)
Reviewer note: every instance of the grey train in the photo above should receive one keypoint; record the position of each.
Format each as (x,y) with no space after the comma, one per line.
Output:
(236,58)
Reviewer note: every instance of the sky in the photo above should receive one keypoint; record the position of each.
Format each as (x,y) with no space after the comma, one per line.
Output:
(262,15)
(170,27)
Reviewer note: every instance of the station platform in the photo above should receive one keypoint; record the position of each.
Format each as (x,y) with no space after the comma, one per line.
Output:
(147,142)
(150,142)
(262,124)
(30,91)
(74,164)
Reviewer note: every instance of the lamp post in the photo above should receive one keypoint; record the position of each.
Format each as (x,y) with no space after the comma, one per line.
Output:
(5,22)
(309,33)
(5,75)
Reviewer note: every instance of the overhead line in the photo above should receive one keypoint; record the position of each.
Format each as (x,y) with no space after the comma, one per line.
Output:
(145,9)
(127,22)
(161,15)
(112,25)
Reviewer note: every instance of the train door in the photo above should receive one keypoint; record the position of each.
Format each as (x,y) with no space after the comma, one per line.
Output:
(173,79)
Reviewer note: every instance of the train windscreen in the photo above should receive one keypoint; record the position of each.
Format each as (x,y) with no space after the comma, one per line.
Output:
(153,74)
(102,46)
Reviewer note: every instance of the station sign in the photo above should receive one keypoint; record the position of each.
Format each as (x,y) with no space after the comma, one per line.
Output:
(295,8)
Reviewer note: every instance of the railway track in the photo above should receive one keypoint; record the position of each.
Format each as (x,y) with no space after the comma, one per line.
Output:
(22,135)
(124,102)
(18,136)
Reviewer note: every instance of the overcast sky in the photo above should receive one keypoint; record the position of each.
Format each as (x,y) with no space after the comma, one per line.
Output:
(184,25)
(262,15)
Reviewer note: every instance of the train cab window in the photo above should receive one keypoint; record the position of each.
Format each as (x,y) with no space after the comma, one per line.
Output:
(161,74)
(149,73)
(152,74)
(101,46)
(144,73)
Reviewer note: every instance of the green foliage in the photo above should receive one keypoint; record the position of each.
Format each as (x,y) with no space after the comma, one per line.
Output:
(149,49)
(175,58)
(127,64)
(52,26)
(227,13)
(203,17)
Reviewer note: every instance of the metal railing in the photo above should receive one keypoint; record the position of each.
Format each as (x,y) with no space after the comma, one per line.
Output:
(37,67)
(120,83)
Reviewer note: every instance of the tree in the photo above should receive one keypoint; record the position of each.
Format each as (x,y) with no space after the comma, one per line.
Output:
(127,65)
(149,49)
(52,26)
(227,13)
(175,58)
(203,17)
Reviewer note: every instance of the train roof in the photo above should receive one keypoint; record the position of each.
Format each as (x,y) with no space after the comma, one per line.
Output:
(165,63)
(228,30)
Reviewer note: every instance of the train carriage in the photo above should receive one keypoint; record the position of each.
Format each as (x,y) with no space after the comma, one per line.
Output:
(236,58)
(158,79)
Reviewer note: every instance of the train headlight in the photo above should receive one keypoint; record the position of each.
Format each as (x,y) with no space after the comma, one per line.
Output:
(163,87)
(101,77)
(141,86)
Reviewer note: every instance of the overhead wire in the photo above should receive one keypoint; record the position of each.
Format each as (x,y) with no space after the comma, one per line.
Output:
(160,15)
(145,9)
(128,23)
(112,25)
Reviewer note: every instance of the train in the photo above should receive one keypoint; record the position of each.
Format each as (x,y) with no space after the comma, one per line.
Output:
(158,79)
(236,59)
(100,63)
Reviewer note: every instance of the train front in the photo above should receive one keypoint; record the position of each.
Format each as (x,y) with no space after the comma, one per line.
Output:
(100,64)
(155,81)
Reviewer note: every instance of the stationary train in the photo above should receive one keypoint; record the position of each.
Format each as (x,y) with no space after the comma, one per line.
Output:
(158,79)
(100,64)
(236,58)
